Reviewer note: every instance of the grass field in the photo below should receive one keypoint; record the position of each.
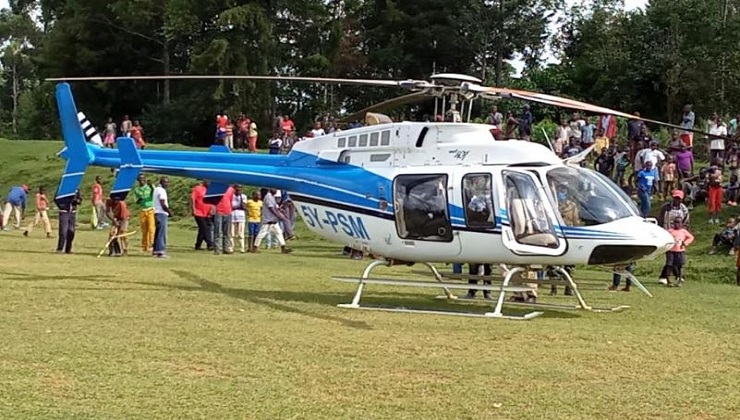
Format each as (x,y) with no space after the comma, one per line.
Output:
(260,336)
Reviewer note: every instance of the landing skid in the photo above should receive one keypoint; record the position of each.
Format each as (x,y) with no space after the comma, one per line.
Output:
(439,283)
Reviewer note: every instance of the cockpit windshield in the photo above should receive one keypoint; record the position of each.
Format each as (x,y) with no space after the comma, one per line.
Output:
(585,198)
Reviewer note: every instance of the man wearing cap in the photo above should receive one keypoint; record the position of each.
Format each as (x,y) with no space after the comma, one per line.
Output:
(15,203)
(673,209)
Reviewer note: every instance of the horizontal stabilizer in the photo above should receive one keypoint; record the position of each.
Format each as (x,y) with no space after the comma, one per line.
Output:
(215,193)
(131,166)
(76,151)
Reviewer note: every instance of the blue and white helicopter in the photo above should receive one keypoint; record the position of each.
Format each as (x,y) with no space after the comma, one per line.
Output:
(414,192)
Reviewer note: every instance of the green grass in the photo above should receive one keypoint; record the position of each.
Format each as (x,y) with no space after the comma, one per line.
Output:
(260,336)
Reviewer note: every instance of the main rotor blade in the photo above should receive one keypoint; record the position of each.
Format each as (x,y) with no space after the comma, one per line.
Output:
(401,100)
(564,103)
(369,82)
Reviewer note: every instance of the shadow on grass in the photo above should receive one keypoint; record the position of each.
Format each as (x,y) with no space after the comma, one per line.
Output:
(40,277)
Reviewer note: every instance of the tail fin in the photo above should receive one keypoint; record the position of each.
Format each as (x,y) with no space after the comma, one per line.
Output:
(76,152)
(131,165)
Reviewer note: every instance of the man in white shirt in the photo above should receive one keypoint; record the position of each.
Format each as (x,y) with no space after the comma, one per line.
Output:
(716,144)
(317,130)
(162,214)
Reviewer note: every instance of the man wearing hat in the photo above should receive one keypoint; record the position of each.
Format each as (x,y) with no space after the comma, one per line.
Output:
(15,203)
(673,209)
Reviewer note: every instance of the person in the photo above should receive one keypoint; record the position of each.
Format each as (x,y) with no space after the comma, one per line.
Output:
(203,215)
(252,136)
(562,134)
(288,209)
(118,213)
(110,133)
(604,163)
(622,161)
(573,148)
(668,176)
(254,215)
(126,126)
(732,190)
(525,124)
(617,278)
(645,181)
(143,196)
(275,144)
(608,125)
(317,131)
(42,207)
(68,223)
(98,204)
(587,133)
(672,209)
(15,203)
(675,258)
(717,133)
(715,194)
(222,224)
(137,133)
(162,213)
(684,162)
(475,270)
(725,237)
(238,217)
(271,215)
(687,123)
(494,117)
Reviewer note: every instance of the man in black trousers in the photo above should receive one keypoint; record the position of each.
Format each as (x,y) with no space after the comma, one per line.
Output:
(68,222)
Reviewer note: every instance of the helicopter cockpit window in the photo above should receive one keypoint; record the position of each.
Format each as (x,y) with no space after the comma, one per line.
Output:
(478,201)
(585,197)
(421,207)
(527,212)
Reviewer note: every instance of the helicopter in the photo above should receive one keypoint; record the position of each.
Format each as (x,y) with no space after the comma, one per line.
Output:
(413,192)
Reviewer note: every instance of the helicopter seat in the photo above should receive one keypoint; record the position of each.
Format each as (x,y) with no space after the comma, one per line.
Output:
(524,230)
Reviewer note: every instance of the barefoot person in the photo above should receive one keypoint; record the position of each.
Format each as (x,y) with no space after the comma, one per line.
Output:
(42,207)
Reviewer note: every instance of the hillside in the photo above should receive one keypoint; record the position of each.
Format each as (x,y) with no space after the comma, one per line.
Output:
(35,163)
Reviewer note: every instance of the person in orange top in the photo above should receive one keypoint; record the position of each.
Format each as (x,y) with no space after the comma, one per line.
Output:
(287,126)
(222,224)
(117,211)
(42,207)
(137,133)
(675,258)
(203,214)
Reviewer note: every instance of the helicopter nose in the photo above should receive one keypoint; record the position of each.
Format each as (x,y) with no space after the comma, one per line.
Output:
(660,237)
(646,240)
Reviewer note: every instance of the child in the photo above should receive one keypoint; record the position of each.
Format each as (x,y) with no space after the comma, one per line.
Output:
(254,215)
(726,237)
(622,160)
(238,217)
(675,258)
(714,193)
(42,207)
(275,144)
(732,190)
(668,175)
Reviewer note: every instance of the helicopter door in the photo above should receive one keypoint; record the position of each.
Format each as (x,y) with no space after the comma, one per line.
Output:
(422,212)
(530,228)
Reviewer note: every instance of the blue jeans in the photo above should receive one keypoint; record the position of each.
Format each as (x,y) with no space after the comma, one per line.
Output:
(644,202)
(457,268)
(222,233)
(616,278)
(160,233)
(253,228)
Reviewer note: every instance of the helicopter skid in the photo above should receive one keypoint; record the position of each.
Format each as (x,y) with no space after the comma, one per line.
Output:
(497,312)
(545,306)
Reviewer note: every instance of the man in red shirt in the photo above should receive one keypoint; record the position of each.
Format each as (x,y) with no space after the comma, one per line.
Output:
(222,224)
(203,214)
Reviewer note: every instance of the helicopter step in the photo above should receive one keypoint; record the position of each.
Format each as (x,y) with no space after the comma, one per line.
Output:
(446,286)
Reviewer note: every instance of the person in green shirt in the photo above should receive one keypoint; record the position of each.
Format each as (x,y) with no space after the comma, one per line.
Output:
(143,194)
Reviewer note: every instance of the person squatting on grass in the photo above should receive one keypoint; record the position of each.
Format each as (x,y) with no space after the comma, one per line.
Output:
(675,258)
(15,203)
(42,213)
(117,212)
(68,223)
(143,195)
(271,215)
(725,237)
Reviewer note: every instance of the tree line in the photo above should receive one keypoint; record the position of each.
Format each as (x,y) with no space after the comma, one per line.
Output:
(652,61)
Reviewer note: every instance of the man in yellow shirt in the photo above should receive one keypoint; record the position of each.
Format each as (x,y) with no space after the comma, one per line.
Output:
(254,216)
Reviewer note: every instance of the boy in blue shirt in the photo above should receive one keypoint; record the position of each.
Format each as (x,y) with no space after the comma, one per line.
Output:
(15,203)
(645,180)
